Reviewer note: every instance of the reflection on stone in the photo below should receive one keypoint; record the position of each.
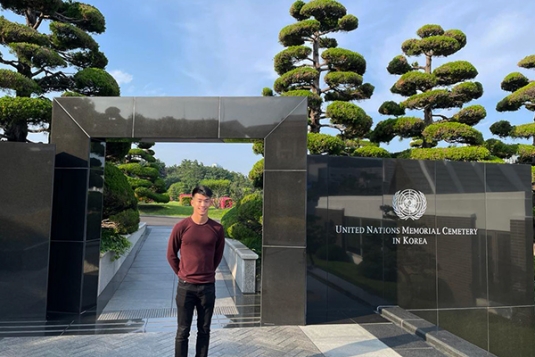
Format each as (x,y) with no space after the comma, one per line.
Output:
(466,243)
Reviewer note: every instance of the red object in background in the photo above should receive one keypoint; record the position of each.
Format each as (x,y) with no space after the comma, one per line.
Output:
(225,202)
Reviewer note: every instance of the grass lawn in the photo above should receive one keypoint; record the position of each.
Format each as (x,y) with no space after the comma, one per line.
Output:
(176,210)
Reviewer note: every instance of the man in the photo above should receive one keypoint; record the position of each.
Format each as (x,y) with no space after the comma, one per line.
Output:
(200,241)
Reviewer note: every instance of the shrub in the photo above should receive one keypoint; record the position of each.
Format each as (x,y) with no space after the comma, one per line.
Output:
(146,195)
(114,242)
(127,221)
(118,195)
(250,207)
(185,200)
(228,219)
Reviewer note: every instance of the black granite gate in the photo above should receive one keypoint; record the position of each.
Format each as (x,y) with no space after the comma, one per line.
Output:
(79,129)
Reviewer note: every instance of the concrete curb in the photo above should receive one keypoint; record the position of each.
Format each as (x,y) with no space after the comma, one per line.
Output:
(440,339)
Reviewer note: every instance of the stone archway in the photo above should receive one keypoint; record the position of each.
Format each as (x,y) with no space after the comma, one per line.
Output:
(79,129)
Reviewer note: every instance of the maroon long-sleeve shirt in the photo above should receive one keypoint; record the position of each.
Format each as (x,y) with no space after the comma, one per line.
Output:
(201,250)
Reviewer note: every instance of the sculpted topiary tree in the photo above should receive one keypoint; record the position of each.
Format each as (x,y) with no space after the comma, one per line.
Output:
(62,58)
(431,90)
(522,95)
(311,57)
(144,174)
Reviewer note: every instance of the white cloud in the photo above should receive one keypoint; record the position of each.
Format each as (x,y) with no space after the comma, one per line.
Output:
(121,77)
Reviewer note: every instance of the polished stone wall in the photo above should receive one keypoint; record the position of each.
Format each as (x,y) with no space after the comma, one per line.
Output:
(465,265)
(26,181)
(80,127)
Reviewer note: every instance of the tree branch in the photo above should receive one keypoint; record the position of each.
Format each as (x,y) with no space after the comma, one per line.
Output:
(39,20)
(42,130)
(440,116)
(335,126)
(9,63)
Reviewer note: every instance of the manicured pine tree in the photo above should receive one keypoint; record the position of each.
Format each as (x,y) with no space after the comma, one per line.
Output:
(522,95)
(311,57)
(431,91)
(144,174)
(63,58)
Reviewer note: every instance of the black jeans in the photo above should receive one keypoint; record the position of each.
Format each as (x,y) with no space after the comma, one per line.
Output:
(189,297)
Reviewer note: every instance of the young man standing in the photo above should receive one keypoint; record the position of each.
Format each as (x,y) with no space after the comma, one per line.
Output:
(200,241)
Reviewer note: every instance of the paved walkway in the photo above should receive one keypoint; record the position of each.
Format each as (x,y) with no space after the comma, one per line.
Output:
(145,301)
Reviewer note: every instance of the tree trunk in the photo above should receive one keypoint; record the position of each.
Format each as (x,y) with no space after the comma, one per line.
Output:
(315,114)
(428,113)
(16,132)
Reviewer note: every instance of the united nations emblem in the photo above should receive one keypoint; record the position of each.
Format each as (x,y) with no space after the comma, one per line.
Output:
(409,203)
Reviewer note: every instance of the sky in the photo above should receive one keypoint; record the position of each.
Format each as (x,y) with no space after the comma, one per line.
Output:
(226,48)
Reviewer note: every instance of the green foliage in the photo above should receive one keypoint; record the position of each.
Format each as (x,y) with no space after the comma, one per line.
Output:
(114,242)
(434,99)
(176,189)
(334,79)
(292,35)
(314,100)
(514,81)
(344,60)
(118,195)
(256,175)
(142,154)
(391,108)
(348,23)
(18,82)
(410,82)
(229,219)
(65,59)
(258,147)
(355,118)
(324,144)
(405,127)
(371,151)
(300,66)
(267,92)
(136,169)
(127,221)
(458,35)
(501,128)
(499,149)
(295,79)
(466,91)
(440,46)
(117,149)
(20,109)
(411,47)
(430,30)
(527,62)
(220,188)
(526,153)
(452,132)
(244,222)
(399,65)
(286,59)
(454,72)
(295,10)
(95,82)
(185,200)
(147,195)
(136,182)
(470,115)
(87,17)
(523,131)
(467,153)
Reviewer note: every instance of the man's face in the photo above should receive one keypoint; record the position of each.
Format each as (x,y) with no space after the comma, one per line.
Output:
(201,204)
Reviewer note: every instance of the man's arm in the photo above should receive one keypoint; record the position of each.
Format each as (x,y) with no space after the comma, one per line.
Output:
(219,247)
(173,246)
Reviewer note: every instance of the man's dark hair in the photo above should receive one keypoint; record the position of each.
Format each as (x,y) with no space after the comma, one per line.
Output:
(202,190)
